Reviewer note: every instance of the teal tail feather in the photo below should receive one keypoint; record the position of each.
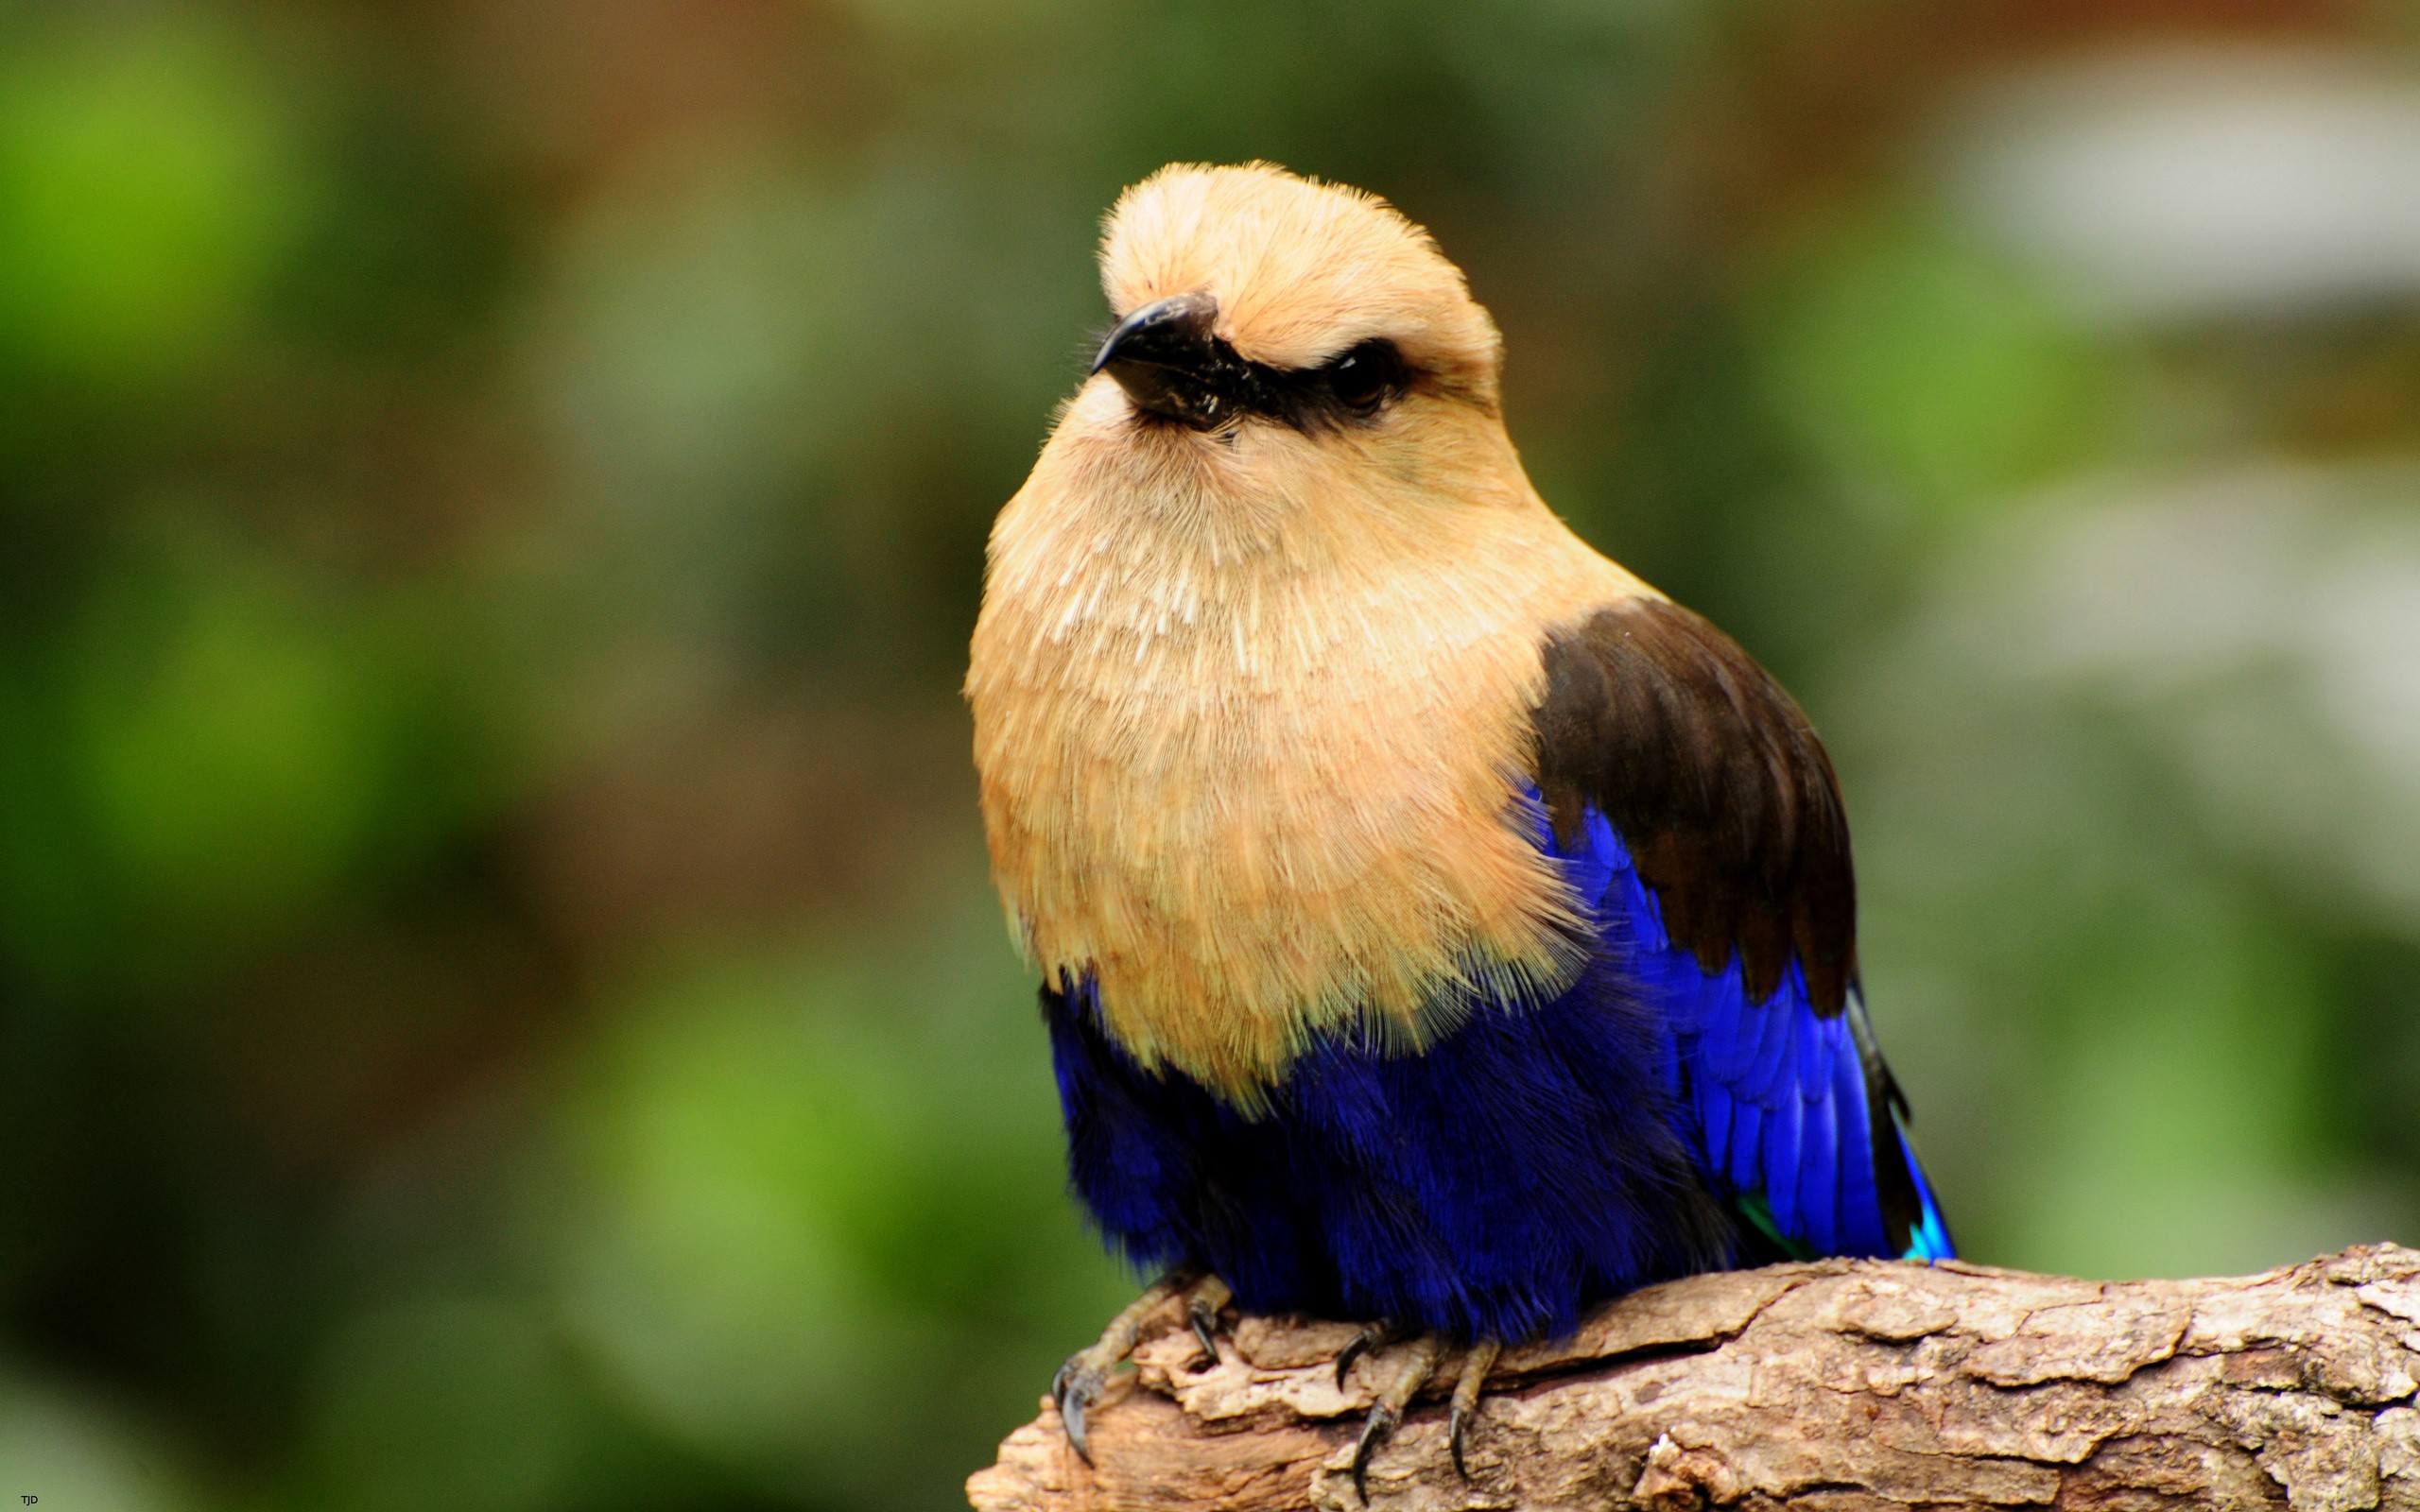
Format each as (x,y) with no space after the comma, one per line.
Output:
(1929,1239)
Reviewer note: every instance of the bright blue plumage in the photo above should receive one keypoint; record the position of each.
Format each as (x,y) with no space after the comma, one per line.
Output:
(1486,1187)
(1775,1094)
(1639,1126)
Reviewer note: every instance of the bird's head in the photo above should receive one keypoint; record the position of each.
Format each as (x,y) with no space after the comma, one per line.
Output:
(1261,315)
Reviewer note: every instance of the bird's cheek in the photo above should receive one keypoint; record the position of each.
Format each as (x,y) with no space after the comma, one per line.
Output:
(1101,411)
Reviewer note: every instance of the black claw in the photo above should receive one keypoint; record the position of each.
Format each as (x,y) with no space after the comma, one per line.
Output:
(1378,1430)
(1371,1337)
(1458,1428)
(1072,1389)
(1205,1319)
(1072,1414)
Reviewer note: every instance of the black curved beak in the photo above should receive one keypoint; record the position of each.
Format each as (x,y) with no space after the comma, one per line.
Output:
(1172,364)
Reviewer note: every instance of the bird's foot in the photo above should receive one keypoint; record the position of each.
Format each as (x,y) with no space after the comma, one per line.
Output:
(1403,1380)
(1208,1299)
(1080,1382)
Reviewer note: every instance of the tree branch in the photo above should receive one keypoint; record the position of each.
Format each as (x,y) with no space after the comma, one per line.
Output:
(1837,1385)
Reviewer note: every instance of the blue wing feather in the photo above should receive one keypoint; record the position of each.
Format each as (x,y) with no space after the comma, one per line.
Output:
(1747,1170)
(1819,1046)
(1771,1072)
(1861,1229)
(1716,1111)
(1819,1165)
(1782,1117)
(1779,1096)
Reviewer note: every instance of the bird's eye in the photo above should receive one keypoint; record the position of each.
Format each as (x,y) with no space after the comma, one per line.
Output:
(1367,376)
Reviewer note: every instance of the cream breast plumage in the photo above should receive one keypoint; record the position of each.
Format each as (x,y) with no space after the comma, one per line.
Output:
(1209,785)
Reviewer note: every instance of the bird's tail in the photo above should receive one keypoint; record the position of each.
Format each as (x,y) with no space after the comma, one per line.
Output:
(1929,1237)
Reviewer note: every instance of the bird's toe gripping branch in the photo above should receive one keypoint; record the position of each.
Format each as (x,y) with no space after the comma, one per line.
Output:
(1080,1382)
(1207,1300)
(1402,1378)
(1467,1388)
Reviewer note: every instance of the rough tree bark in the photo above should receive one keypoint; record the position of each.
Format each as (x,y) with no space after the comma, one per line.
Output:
(1836,1385)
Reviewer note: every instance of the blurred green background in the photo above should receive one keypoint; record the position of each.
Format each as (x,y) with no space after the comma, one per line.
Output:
(500,1006)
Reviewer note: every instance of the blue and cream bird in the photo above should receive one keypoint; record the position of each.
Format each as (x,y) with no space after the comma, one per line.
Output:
(1439,925)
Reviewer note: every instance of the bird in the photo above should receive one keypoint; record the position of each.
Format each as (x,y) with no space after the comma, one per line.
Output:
(1439,928)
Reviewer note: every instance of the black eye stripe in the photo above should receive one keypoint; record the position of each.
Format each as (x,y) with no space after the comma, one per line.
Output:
(1351,389)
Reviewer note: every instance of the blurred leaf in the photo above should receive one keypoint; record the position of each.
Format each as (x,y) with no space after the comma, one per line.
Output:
(749,1160)
(1915,364)
(217,749)
(711,314)
(444,1401)
(82,1458)
(147,183)
(232,747)
(2175,1108)
(813,1254)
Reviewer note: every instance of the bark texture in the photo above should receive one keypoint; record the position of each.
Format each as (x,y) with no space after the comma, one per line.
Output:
(1837,1385)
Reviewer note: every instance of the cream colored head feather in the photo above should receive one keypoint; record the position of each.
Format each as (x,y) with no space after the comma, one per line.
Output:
(1251,693)
(1301,270)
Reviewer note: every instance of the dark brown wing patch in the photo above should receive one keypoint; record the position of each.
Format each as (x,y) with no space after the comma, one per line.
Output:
(1715,782)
